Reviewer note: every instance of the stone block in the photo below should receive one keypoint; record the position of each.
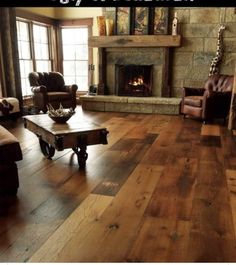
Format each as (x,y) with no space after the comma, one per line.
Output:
(201,58)
(204,15)
(195,83)
(91,105)
(191,44)
(117,107)
(230,44)
(230,31)
(210,45)
(199,30)
(166,109)
(182,58)
(230,15)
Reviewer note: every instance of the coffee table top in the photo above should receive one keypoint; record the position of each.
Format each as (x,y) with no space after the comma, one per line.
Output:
(73,125)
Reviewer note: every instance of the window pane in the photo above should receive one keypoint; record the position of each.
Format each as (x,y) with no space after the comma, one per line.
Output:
(68,36)
(26,66)
(82,68)
(24,50)
(81,52)
(82,82)
(81,36)
(41,51)
(69,52)
(75,56)
(40,34)
(25,85)
(43,66)
(22,31)
(69,68)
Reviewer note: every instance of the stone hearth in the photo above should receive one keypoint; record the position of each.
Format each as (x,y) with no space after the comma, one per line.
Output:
(159,105)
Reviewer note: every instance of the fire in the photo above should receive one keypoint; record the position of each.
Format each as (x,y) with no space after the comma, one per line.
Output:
(136,81)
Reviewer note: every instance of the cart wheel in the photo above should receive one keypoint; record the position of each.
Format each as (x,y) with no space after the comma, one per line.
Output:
(47,150)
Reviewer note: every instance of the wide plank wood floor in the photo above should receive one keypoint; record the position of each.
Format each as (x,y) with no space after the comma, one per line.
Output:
(162,190)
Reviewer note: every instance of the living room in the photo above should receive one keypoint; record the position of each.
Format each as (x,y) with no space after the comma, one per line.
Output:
(151,185)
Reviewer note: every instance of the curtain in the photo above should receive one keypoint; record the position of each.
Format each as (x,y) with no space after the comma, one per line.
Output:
(10,68)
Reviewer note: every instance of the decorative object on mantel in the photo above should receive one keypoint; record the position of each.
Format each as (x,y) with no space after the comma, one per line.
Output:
(101,25)
(175,24)
(214,69)
(160,21)
(109,26)
(123,19)
(141,21)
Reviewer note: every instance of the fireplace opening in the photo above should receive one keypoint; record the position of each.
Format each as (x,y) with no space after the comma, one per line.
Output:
(134,80)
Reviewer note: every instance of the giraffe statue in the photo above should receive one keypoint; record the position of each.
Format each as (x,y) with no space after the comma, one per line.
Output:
(214,69)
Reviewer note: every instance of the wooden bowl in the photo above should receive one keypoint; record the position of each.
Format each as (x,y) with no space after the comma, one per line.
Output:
(60,119)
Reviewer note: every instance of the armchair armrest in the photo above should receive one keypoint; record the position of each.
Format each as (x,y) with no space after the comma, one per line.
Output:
(39,89)
(71,89)
(192,91)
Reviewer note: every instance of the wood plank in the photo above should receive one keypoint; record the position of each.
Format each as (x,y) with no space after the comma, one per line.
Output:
(135,41)
(213,130)
(121,218)
(231,183)
(81,221)
(172,243)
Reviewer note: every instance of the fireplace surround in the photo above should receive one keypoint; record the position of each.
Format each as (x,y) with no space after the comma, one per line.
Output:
(132,50)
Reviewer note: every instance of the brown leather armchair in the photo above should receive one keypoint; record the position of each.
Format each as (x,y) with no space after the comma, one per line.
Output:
(212,101)
(50,88)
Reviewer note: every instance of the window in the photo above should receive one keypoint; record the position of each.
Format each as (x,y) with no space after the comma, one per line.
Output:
(76,56)
(34,51)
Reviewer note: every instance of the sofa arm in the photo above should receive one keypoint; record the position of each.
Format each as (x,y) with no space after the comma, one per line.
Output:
(192,91)
(71,89)
(39,89)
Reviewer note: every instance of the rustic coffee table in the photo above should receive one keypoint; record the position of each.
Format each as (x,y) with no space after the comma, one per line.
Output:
(75,133)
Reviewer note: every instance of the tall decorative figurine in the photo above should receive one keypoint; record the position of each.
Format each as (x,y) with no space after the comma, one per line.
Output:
(175,25)
(214,69)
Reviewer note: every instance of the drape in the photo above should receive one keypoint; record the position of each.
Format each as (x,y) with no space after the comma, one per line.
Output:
(10,68)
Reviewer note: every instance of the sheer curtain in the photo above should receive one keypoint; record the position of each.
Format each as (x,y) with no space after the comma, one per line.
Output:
(10,70)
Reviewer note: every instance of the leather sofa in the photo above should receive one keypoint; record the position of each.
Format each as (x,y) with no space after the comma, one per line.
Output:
(50,88)
(211,101)
(10,152)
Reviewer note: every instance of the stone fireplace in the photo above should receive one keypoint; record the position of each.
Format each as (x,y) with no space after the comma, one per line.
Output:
(147,89)
(133,80)
(151,61)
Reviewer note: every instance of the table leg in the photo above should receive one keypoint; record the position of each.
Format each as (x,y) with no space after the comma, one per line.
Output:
(47,150)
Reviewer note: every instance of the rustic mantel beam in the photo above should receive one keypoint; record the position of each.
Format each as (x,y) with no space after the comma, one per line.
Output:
(135,41)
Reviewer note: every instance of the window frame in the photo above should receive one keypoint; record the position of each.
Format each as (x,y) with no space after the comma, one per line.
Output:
(76,23)
(50,24)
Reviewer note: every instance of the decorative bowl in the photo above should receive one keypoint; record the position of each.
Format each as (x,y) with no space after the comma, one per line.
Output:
(60,119)
(60,115)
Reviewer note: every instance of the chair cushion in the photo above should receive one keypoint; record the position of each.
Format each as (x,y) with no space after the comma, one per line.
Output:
(195,101)
(9,147)
(55,96)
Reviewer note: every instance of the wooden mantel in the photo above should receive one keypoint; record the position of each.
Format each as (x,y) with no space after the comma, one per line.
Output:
(135,41)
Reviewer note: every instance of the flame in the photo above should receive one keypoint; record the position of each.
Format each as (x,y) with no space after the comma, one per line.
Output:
(136,81)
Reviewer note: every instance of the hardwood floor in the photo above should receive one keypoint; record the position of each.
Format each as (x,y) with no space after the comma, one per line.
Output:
(162,190)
